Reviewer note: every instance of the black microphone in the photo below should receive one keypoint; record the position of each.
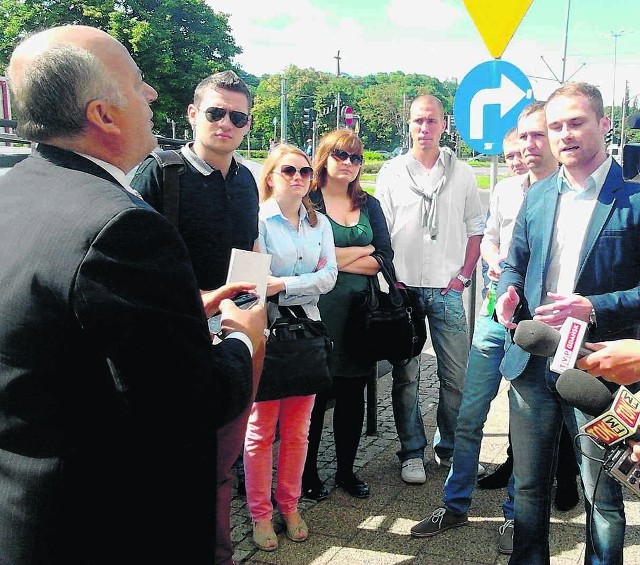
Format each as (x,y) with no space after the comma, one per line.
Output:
(584,392)
(618,416)
(539,339)
(614,416)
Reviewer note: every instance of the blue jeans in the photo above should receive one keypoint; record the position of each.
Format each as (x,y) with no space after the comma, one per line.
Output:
(448,329)
(536,413)
(480,388)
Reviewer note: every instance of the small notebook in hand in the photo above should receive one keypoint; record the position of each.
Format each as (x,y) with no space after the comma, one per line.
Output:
(251,267)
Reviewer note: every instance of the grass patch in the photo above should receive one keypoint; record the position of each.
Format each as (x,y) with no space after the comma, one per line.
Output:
(483,180)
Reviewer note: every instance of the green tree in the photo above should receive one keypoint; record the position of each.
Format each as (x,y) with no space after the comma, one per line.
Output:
(176,43)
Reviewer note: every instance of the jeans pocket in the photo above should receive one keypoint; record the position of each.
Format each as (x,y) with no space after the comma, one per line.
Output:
(454,316)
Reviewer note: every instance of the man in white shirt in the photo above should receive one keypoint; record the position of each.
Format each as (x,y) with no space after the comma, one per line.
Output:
(487,350)
(573,253)
(435,219)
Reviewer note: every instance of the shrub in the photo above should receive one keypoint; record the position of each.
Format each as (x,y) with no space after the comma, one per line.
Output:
(372,156)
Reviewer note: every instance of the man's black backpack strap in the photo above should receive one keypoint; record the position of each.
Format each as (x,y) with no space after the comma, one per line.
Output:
(172,166)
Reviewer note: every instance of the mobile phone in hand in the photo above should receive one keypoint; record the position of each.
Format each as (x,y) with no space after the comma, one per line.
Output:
(244,300)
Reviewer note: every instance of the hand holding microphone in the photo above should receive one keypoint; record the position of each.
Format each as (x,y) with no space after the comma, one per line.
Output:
(615,361)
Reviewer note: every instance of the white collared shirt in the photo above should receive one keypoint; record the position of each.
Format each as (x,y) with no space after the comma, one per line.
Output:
(573,215)
(114,171)
(419,260)
(506,201)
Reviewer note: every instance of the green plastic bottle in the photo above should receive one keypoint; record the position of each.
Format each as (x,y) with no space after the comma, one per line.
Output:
(491,297)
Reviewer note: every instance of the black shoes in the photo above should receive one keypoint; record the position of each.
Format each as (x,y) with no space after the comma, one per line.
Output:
(354,486)
(567,496)
(499,478)
(316,491)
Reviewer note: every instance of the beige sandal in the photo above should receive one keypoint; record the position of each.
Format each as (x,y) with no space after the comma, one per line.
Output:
(265,540)
(297,531)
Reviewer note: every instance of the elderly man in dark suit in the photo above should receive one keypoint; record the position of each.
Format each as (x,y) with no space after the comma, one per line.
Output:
(110,387)
(574,253)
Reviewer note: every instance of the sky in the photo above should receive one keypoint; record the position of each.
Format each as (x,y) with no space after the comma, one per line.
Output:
(438,38)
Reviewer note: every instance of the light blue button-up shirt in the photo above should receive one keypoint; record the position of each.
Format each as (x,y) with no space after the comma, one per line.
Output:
(296,255)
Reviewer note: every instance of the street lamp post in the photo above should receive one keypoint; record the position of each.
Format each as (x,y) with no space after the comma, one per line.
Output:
(615,36)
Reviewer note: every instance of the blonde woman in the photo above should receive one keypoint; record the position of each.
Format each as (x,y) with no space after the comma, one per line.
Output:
(303,267)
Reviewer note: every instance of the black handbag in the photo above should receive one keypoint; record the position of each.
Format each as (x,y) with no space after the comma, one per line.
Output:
(384,325)
(296,361)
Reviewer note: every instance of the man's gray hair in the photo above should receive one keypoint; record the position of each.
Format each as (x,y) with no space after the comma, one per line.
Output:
(51,96)
(225,80)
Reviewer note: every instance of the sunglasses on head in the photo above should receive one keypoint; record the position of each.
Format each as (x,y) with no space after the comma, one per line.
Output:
(343,156)
(238,119)
(289,171)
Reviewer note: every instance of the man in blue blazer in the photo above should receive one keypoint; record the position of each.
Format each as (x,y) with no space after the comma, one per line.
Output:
(574,253)
(110,386)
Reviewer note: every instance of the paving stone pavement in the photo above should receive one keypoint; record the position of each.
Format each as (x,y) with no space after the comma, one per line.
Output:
(375,531)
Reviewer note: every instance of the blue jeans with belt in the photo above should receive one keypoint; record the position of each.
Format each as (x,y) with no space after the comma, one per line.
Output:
(536,412)
(448,330)
(480,388)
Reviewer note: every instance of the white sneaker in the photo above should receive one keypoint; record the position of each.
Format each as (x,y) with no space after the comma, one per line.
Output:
(447,462)
(413,472)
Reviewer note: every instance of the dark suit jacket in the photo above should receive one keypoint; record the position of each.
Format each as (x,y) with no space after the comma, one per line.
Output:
(110,388)
(608,269)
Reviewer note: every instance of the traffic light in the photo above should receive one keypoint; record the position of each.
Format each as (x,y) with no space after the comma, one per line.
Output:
(451,124)
(608,137)
(308,116)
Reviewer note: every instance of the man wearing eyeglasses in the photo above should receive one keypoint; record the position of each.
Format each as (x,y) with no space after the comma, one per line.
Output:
(218,211)
(435,219)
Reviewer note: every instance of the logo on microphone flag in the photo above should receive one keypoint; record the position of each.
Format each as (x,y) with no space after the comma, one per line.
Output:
(571,336)
(617,423)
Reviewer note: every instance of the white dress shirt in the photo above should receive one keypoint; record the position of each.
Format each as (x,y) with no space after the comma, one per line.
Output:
(573,215)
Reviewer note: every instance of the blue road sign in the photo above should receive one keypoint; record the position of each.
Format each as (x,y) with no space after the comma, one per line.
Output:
(487,104)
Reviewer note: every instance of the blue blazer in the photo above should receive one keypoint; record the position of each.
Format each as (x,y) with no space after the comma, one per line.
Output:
(608,269)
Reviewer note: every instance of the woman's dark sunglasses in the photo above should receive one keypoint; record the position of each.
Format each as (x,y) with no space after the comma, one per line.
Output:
(289,171)
(343,156)
(238,119)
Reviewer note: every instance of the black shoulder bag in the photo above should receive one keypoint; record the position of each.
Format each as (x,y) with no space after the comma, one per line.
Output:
(296,361)
(389,325)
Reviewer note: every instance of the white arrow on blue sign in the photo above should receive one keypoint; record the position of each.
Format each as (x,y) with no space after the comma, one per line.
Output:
(488,102)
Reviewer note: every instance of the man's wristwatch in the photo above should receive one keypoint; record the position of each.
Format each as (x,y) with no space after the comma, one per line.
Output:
(464,280)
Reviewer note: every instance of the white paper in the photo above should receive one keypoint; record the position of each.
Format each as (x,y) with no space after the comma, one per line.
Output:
(251,267)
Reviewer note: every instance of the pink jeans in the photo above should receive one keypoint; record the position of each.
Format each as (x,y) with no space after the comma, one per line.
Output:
(293,415)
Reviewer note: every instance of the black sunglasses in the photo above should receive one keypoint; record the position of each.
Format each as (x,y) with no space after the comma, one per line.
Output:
(289,171)
(238,119)
(343,156)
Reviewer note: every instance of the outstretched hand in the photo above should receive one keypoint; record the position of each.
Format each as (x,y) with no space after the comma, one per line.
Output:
(506,307)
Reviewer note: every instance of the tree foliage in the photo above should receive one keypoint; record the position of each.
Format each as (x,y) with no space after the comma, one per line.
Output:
(176,43)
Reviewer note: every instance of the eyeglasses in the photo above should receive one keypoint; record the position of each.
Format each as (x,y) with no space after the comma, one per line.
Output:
(354,158)
(289,171)
(238,119)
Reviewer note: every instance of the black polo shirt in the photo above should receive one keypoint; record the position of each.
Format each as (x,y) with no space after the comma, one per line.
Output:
(215,213)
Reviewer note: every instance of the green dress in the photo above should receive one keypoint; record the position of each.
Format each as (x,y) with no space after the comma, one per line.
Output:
(334,306)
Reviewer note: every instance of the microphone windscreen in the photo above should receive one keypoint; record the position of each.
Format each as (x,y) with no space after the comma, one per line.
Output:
(583,391)
(537,338)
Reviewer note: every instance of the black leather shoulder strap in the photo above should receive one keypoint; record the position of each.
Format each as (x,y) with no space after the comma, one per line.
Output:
(172,166)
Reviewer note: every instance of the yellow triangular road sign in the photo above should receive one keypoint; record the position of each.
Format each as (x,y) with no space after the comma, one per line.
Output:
(497,21)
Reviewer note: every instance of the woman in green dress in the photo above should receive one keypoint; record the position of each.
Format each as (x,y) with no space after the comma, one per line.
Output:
(359,229)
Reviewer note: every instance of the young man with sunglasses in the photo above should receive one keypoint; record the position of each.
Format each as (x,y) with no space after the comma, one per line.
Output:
(218,210)
(432,206)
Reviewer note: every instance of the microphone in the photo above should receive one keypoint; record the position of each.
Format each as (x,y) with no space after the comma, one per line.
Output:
(611,427)
(565,346)
(616,417)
